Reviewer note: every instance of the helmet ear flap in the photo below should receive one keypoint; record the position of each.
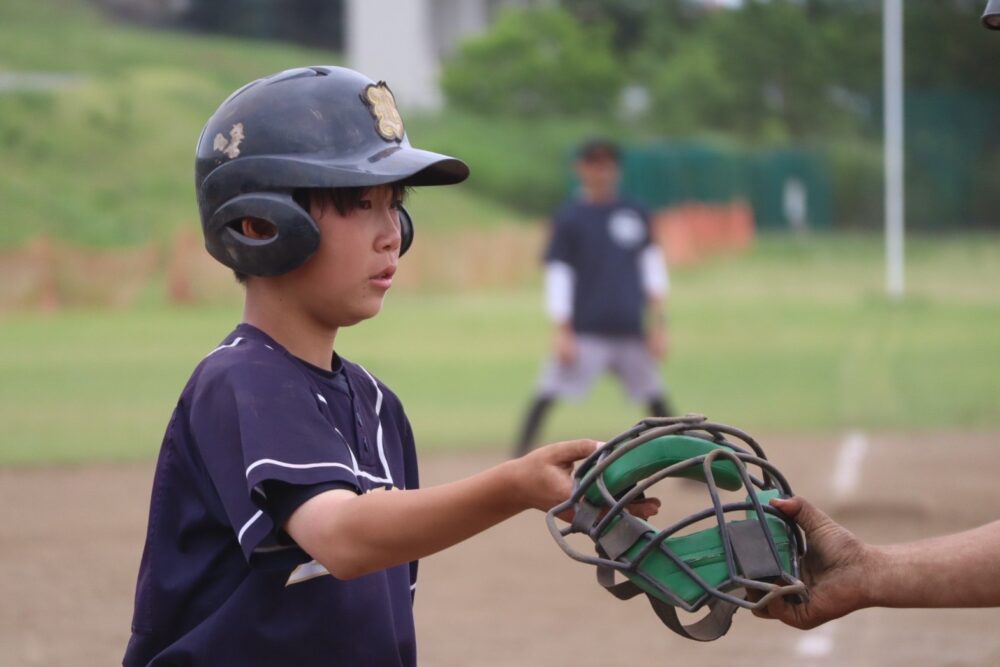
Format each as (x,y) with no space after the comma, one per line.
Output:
(295,240)
(405,231)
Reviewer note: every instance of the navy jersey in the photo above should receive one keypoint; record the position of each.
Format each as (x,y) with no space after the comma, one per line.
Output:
(602,244)
(220,583)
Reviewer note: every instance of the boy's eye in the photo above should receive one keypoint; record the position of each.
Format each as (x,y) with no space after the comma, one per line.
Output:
(365,204)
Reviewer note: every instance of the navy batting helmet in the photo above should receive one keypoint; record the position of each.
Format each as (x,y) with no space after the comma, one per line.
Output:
(311,127)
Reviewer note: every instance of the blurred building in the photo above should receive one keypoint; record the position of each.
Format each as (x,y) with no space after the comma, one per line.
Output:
(405,41)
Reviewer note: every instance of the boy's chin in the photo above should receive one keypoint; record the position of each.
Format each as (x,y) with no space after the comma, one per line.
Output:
(363,312)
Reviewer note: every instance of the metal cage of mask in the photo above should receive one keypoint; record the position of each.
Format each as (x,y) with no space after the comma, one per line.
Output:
(710,567)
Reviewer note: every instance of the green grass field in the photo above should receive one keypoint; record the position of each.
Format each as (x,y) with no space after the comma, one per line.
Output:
(794,337)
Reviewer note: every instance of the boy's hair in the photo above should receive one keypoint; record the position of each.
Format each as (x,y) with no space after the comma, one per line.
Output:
(344,200)
(599,148)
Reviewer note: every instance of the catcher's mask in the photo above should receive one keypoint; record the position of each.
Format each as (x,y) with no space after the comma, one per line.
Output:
(311,127)
(753,548)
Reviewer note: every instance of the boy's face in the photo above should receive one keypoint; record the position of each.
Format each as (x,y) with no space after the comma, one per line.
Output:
(598,175)
(346,279)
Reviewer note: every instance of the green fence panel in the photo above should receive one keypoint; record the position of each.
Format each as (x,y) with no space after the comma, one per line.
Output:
(786,188)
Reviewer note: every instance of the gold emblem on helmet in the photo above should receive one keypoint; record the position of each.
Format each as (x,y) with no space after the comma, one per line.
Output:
(382,104)
(230,146)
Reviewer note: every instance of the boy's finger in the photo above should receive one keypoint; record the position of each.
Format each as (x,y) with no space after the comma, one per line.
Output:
(574,450)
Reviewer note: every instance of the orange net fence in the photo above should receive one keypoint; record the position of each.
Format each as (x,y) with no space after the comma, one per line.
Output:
(48,274)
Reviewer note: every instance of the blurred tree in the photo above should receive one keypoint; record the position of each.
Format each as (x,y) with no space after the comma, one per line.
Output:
(639,23)
(536,62)
(316,23)
(764,73)
(777,70)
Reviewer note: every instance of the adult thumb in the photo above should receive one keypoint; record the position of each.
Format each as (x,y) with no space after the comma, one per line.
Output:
(802,511)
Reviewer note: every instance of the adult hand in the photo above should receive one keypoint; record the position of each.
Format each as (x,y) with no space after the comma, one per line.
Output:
(838,569)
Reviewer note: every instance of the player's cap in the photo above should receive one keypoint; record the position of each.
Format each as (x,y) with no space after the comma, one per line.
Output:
(599,148)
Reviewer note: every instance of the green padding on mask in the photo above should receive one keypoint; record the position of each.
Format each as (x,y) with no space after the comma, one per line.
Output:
(660,453)
(703,552)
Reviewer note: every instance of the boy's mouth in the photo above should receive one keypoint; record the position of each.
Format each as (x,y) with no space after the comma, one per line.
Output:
(384,277)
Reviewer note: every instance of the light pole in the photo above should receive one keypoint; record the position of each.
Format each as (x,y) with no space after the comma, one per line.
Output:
(892,81)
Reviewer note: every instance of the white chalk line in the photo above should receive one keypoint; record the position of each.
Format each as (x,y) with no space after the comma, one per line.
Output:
(816,643)
(847,470)
(846,481)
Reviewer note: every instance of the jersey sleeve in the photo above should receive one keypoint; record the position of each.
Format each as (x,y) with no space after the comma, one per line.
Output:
(561,246)
(412,480)
(559,284)
(258,422)
(653,272)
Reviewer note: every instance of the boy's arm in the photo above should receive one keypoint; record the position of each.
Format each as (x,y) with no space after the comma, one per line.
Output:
(844,574)
(352,535)
(559,287)
(656,286)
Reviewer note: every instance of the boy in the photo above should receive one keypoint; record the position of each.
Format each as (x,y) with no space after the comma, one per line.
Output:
(606,285)
(286,520)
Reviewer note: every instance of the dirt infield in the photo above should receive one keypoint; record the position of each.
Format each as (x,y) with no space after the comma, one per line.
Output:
(70,540)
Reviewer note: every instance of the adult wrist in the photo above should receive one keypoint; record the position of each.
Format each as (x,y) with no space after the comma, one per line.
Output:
(878,585)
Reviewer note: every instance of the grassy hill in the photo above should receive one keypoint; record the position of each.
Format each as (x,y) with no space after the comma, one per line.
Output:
(106,158)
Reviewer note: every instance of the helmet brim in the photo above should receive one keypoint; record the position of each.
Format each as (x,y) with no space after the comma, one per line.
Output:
(395,164)
(418,167)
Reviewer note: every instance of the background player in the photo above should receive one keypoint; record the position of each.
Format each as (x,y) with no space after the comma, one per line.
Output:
(286,519)
(606,285)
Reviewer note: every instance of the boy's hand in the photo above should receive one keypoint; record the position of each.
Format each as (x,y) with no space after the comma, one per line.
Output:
(657,342)
(565,345)
(545,477)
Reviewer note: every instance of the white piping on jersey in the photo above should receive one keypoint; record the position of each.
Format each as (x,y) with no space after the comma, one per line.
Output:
(239,537)
(305,572)
(413,587)
(236,341)
(296,466)
(321,399)
(304,466)
(326,464)
(378,417)
(357,469)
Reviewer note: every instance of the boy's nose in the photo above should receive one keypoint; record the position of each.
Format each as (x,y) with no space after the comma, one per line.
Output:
(390,237)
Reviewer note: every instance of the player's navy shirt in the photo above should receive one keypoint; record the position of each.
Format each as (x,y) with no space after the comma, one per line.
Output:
(219,583)
(602,244)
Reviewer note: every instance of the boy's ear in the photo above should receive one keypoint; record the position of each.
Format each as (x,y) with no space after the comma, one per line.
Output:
(258,229)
